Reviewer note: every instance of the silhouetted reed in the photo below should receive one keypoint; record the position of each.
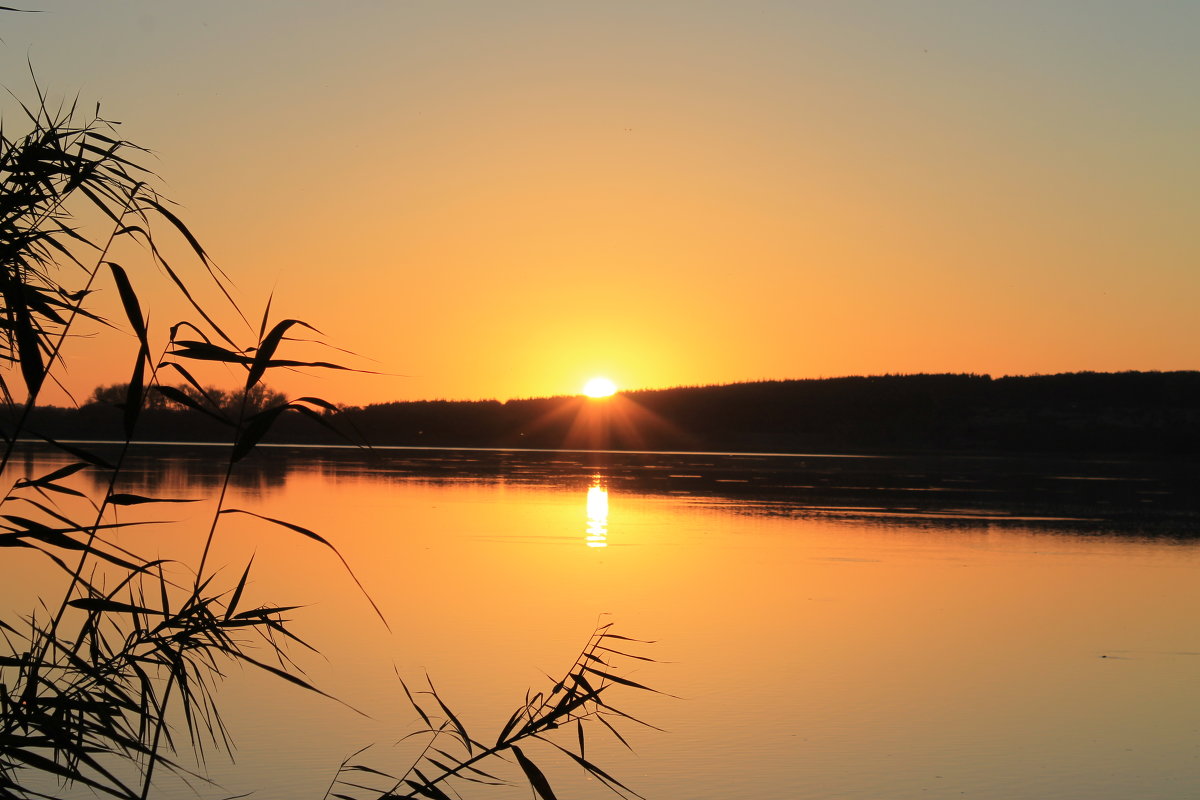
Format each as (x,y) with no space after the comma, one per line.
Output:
(117,679)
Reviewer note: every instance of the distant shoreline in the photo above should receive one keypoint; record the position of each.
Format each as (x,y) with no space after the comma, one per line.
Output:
(1154,413)
(434,448)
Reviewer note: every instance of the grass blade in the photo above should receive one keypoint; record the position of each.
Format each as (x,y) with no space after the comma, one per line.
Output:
(317,538)
(536,779)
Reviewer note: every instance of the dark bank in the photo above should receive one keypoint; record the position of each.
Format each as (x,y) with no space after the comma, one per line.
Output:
(1153,413)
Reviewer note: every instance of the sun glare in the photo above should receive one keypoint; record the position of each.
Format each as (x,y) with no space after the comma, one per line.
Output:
(599,387)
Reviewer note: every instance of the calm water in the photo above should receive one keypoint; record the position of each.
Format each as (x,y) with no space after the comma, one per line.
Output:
(830,627)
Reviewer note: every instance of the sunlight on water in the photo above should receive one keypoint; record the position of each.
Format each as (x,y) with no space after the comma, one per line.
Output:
(822,652)
(597,514)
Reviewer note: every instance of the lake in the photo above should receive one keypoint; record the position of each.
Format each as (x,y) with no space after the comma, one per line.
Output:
(824,626)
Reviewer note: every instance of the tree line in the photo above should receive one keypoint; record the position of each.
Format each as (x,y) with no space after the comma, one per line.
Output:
(1085,412)
(228,401)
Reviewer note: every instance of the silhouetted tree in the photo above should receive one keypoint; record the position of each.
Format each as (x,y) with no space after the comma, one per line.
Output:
(257,398)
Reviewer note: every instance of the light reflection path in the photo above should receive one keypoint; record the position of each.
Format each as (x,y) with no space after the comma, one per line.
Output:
(597,513)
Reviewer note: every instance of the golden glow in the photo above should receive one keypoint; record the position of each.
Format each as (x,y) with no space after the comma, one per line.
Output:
(565,219)
(599,387)
(597,514)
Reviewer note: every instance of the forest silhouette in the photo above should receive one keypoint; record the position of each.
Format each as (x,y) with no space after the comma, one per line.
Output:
(1083,412)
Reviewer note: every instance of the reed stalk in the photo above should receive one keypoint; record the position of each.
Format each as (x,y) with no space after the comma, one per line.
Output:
(91,689)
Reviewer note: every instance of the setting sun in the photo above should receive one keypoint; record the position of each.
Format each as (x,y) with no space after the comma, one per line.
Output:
(599,387)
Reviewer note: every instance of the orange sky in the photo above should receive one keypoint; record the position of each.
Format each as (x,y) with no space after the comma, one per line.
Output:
(495,199)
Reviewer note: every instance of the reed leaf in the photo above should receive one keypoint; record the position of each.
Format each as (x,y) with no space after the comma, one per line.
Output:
(134,391)
(51,477)
(173,394)
(129,299)
(322,540)
(427,789)
(537,778)
(256,427)
(109,606)
(454,721)
(231,609)
(591,768)
(125,499)
(78,452)
(267,347)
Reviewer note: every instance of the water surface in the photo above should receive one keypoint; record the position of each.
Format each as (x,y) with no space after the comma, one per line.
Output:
(831,627)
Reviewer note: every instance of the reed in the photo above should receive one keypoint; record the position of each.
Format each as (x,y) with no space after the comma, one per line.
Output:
(451,758)
(113,678)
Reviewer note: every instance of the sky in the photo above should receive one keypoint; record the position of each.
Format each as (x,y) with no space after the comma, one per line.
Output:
(504,199)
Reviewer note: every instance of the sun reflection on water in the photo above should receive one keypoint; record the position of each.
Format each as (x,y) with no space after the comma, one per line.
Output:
(597,514)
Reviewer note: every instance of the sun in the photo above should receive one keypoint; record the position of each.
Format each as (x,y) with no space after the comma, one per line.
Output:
(599,387)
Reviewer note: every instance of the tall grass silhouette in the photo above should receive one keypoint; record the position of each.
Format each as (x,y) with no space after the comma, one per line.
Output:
(113,677)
